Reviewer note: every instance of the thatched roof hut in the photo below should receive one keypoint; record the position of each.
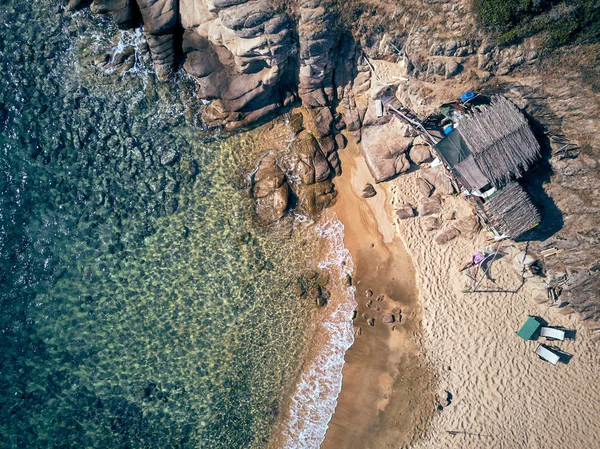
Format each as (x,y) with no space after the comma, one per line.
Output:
(494,146)
(511,211)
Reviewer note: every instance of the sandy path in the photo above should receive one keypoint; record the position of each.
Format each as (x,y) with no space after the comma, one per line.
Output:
(503,395)
(386,391)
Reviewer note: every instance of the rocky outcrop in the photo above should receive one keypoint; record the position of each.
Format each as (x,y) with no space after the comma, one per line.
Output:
(384,149)
(160,23)
(123,12)
(241,53)
(160,19)
(309,165)
(238,52)
(312,166)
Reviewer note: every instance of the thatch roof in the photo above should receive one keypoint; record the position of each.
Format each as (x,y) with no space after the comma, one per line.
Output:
(494,146)
(501,141)
(511,211)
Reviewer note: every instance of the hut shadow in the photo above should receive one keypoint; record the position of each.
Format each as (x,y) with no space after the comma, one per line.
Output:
(533,182)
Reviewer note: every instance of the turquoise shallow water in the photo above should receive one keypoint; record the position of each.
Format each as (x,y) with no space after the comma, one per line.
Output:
(142,305)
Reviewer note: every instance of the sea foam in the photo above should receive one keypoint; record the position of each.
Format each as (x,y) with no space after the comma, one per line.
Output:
(315,396)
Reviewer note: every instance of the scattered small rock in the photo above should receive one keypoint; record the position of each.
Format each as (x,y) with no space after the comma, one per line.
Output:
(371,321)
(297,123)
(369,191)
(448,399)
(419,154)
(425,188)
(364,316)
(449,215)
(388,319)
(369,293)
(453,68)
(359,331)
(323,279)
(354,313)
(369,303)
(314,292)
(447,235)
(378,308)
(348,281)
(405,211)
(430,206)
(432,223)
(380,298)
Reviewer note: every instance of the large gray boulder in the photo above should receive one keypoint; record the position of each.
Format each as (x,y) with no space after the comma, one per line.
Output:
(384,150)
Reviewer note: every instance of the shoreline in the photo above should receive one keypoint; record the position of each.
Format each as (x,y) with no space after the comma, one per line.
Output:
(385,362)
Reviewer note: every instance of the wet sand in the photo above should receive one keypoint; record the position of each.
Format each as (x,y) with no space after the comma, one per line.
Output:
(387,388)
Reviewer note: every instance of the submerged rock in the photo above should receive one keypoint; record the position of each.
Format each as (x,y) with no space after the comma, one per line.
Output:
(270,190)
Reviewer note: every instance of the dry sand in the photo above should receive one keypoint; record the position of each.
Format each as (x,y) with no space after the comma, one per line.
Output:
(503,396)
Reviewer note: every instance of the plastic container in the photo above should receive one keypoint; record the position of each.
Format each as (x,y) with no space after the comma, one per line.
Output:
(448,129)
(468,95)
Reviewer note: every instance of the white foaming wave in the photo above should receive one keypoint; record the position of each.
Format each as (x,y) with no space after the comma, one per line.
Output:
(315,397)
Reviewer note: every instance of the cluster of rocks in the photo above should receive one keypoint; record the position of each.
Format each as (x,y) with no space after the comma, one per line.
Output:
(433,185)
(250,58)
(387,316)
(298,178)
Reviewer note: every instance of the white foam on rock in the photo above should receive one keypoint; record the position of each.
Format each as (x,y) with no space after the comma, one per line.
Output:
(315,397)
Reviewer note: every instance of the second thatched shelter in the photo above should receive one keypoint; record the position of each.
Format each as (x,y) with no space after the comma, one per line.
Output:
(511,211)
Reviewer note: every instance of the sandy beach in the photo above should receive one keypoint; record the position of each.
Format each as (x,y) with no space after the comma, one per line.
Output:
(396,382)
(383,367)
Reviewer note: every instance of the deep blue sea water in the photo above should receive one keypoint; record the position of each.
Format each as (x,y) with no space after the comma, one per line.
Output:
(141,305)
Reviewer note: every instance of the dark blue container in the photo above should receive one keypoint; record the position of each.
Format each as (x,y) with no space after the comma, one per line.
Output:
(468,95)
